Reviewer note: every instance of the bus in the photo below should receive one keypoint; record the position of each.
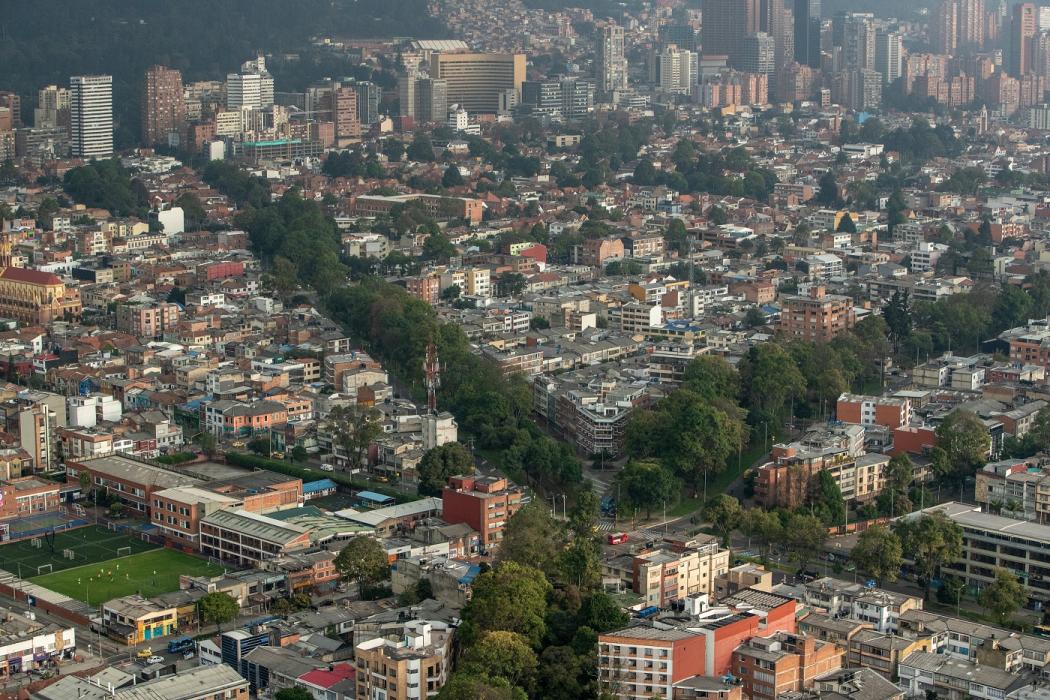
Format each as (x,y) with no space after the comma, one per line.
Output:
(1041,631)
(181,644)
(617,537)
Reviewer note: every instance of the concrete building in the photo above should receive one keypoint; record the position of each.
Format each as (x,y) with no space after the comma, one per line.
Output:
(410,669)
(666,573)
(248,539)
(782,663)
(91,116)
(610,64)
(475,80)
(924,672)
(887,411)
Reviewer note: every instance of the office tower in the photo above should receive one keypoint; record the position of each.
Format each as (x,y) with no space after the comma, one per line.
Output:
(944,31)
(369,95)
(474,81)
(432,100)
(681,35)
(889,54)
(726,23)
(777,20)
(52,108)
(971,23)
(252,88)
(13,101)
(759,54)
(610,62)
(1044,18)
(541,97)
(406,95)
(163,107)
(91,116)
(344,114)
(858,41)
(677,70)
(577,97)
(807,32)
(1023,27)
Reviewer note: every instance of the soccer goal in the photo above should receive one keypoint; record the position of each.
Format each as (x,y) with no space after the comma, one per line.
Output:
(37,543)
(123,551)
(69,554)
(44,569)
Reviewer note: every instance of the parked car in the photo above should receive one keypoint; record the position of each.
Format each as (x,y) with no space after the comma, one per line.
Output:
(155,660)
(327,468)
(144,653)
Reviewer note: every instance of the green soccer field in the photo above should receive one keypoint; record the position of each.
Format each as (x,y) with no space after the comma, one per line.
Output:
(148,573)
(89,545)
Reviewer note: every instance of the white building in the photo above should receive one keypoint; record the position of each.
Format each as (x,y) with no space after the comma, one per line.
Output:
(91,115)
(87,411)
(677,70)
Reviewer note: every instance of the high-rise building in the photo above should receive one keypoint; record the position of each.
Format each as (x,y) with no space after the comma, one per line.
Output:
(344,113)
(858,41)
(52,108)
(1023,29)
(91,115)
(252,88)
(13,101)
(759,54)
(807,32)
(163,107)
(610,61)
(369,95)
(726,23)
(475,80)
(776,18)
(889,54)
(541,97)
(972,17)
(677,70)
(681,35)
(577,98)
(406,95)
(432,100)
(944,30)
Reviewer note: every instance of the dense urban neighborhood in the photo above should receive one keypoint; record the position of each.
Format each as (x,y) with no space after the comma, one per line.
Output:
(693,351)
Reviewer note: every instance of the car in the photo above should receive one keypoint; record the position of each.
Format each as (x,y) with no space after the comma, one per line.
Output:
(155,660)
(383,479)
(327,468)
(237,443)
(144,653)
(277,455)
(188,655)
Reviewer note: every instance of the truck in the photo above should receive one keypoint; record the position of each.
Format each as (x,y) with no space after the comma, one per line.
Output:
(181,644)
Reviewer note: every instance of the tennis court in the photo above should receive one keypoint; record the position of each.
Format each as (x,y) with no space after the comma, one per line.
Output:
(89,545)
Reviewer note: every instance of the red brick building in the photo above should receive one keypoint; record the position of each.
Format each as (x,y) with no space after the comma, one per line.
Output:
(782,663)
(485,503)
(818,316)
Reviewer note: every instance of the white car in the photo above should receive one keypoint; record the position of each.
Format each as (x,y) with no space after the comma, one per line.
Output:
(155,659)
(327,468)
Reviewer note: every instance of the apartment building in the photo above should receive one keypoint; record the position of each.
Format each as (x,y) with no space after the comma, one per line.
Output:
(485,503)
(131,481)
(412,668)
(887,411)
(837,449)
(668,572)
(880,609)
(1015,488)
(817,316)
(783,663)
(640,318)
(148,320)
(1029,344)
(923,672)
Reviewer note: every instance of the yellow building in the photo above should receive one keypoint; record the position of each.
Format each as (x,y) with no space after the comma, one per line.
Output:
(135,619)
(31,297)
(475,80)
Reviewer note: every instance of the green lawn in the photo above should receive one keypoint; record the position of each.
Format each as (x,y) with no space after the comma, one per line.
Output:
(90,545)
(148,573)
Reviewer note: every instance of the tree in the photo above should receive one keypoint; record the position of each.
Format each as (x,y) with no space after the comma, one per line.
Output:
(293,693)
(510,597)
(421,148)
(895,208)
(505,655)
(602,614)
(218,608)
(363,560)
(931,541)
(355,428)
(964,438)
(393,149)
(207,443)
(438,247)
(803,536)
(846,224)
(1005,595)
(299,454)
(644,173)
(828,194)
(878,551)
(825,499)
(725,514)
(192,210)
(451,292)
(441,463)
(532,538)
(470,686)
(452,177)
(564,674)
(754,317)
(897,314)
(900,472)
(769,379)
(511,284)
(647,485)
(711,377)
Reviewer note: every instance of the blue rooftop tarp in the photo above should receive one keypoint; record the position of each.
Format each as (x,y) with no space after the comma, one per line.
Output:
(319,485)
